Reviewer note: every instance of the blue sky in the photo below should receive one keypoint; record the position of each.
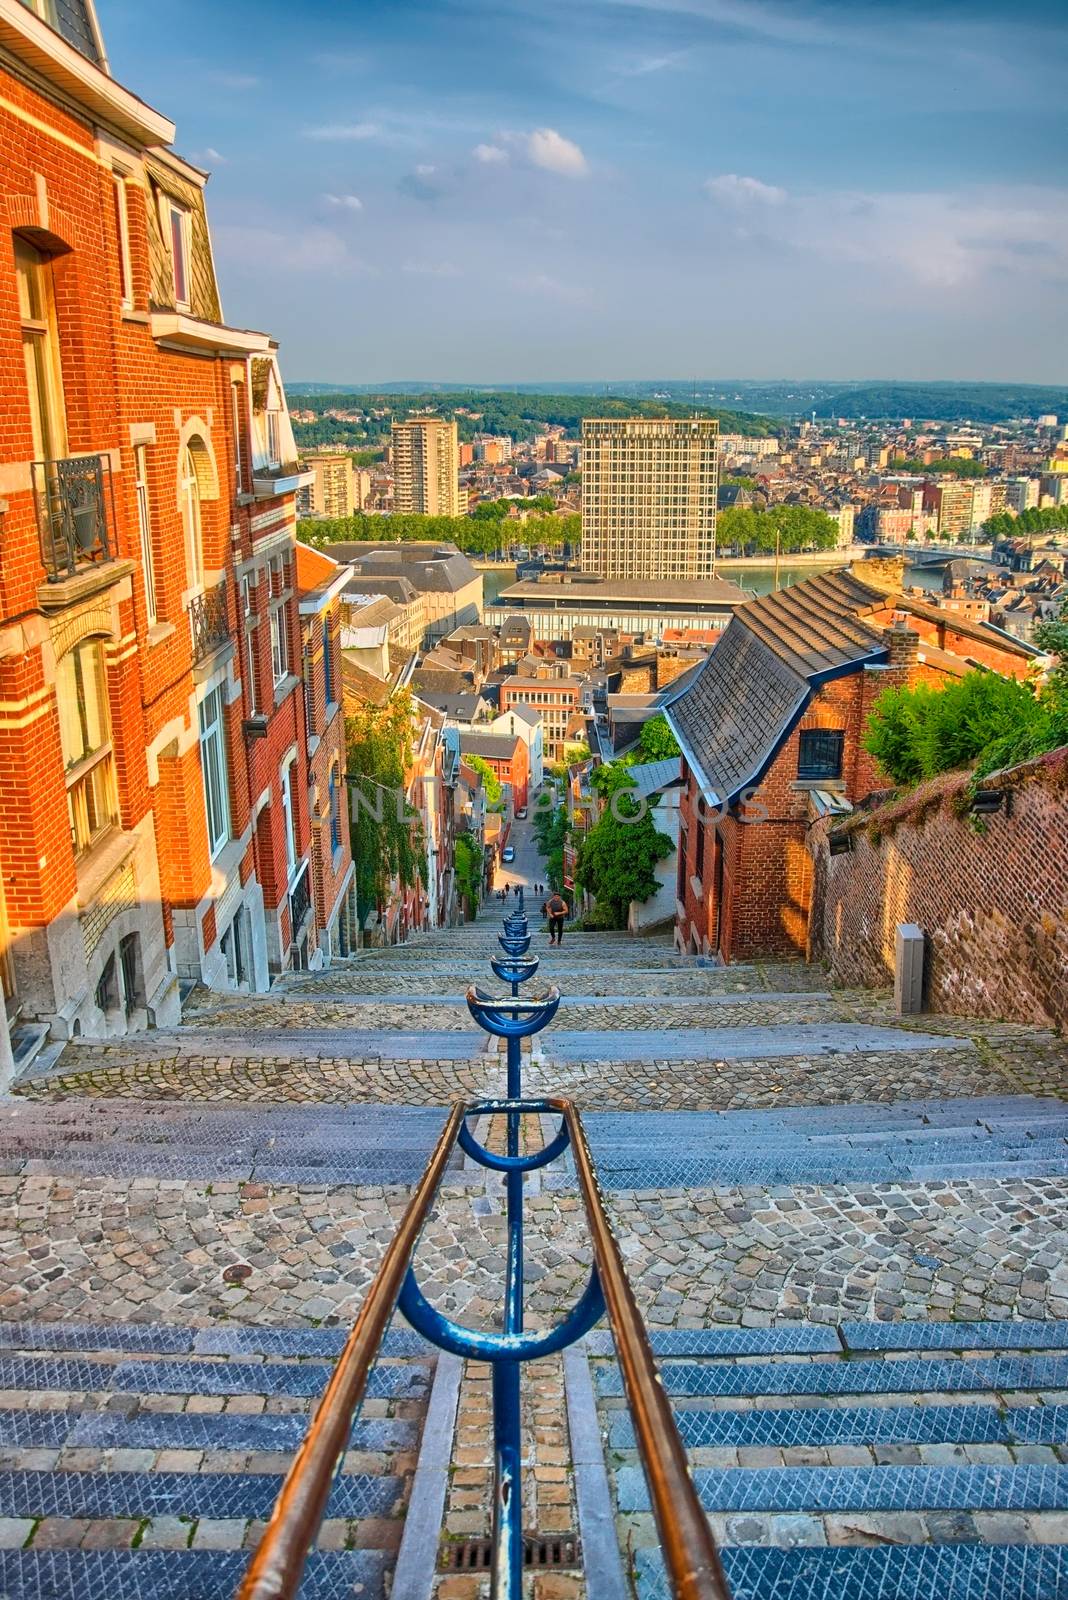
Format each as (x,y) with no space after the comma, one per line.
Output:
(494,190)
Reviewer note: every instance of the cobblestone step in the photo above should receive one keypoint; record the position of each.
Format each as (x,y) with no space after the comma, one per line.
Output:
(174,1575)
(166,1339)
(805,1338)
(950,1572)
(737,1044)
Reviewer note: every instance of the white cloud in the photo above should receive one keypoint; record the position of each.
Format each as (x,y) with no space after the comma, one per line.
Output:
(343,202)
(490,154)
(431,269)
(213,157)
(342,132)
(937,240)
(736,190)
(425,169)
(316,251)
(544,284)
(235,80)
(549,149)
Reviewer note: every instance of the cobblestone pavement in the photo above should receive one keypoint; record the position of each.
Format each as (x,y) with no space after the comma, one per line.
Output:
(1016,1062)
(155,1249)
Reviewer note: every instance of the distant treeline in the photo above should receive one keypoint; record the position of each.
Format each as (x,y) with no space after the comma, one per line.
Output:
(944,402)
(475,535)
(518,416)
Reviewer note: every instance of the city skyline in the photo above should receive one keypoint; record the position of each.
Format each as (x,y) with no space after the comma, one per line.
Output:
(696,183)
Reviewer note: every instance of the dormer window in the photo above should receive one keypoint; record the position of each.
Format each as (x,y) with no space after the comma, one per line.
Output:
(179,231)
(71,20)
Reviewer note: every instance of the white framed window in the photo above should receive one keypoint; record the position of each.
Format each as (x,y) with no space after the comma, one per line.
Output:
(179,232)
(85,739)
(144,528)
(289,821)
(213,767)
(274,456)
(279,645)
(122,232)
(249,613)
(237,404)
(191,522)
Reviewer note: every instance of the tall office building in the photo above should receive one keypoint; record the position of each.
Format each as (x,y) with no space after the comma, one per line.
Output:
(426,467)
(649,490)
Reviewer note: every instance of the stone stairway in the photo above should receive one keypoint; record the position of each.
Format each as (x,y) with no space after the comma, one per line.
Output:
(805,1189)
(867,1459)
(140,1460)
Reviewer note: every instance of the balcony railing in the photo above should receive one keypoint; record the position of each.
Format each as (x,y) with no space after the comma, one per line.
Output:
(300,901)
(75,514)
(207,619)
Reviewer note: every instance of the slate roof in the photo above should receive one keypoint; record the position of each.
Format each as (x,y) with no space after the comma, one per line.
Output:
(441,568)
(732,717)
(651,776)
(461,707)
(490,746)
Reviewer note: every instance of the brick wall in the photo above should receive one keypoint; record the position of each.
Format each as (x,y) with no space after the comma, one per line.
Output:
(991,894)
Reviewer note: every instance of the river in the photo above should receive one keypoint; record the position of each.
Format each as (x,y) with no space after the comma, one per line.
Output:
(759,578)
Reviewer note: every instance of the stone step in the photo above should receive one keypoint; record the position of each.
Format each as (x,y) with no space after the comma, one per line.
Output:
(800,1338)
(229,1495)
(175,1575)
(305,1378)
(817,1427)
(163,1339)
(949,1572)
(186,1430)
(998,1374)
(826,1490)
(739,1044)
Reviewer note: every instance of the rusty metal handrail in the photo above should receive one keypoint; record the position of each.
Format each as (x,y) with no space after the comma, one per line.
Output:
(694,1569)
(277,1567)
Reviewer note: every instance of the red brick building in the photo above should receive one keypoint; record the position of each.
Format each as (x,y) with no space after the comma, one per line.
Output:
(506,756)
(153,777)
(771,732)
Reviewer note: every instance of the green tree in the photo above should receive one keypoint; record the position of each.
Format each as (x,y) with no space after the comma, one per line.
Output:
(656,742)
(490,781)
(618,857)
(982,720)
(384,844)
(750,530)
(470,871)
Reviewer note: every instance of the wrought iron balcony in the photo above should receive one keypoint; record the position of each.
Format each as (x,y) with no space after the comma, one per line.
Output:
(300,901)
(75,504)
(207,619)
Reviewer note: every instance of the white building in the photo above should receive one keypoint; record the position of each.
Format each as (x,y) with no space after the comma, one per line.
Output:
(525,724)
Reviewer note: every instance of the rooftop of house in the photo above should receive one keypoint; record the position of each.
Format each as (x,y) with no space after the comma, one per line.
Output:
(589,588)
(650,777)
(525,714)
(439,679)
(430,568)
(362,688)
(490,746)
(458,707)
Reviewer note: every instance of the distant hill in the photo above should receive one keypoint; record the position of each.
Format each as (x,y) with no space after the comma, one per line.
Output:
(736,401)
(484,411)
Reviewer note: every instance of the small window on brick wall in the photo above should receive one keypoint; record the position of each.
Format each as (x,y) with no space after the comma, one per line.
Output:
(820,753)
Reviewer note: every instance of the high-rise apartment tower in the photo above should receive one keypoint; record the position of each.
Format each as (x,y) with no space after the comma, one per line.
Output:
(649,497)
(426,467)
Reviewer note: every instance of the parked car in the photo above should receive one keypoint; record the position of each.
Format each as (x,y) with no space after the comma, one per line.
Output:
(521,814)
(508,853)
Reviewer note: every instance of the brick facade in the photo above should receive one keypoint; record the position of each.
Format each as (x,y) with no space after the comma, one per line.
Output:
(745,890)
(113,893)
(990,894)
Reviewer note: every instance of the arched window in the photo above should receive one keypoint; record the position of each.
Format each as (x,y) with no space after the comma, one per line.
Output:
(190,492)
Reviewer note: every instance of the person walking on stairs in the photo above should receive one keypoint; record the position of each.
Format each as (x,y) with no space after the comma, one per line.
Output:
(556,910)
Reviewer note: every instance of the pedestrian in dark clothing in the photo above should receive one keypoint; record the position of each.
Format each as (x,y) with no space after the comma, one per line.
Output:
(556,909)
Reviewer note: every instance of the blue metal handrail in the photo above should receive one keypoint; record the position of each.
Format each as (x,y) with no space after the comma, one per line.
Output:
(690,1556)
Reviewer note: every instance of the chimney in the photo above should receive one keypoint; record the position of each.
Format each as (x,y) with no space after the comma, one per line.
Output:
(885,573)
(903,644)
